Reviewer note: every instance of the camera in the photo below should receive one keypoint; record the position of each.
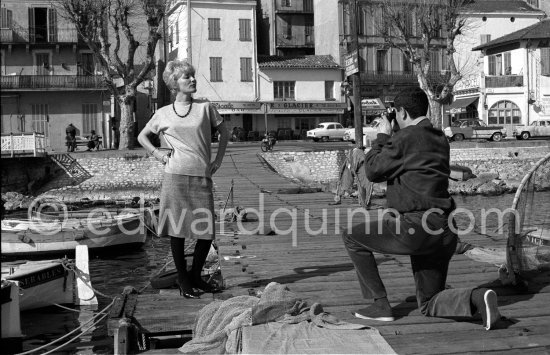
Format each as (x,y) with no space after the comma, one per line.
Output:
(391,117)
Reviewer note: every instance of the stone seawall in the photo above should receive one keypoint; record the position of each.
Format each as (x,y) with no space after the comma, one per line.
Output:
(111,178)
(502,168)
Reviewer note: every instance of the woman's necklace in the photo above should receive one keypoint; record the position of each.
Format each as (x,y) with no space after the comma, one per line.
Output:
(176,112)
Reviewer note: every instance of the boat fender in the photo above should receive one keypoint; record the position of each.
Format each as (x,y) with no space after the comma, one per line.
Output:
(79,235)
(25,238)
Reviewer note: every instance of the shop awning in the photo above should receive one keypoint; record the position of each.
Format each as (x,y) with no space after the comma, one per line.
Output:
(459,105)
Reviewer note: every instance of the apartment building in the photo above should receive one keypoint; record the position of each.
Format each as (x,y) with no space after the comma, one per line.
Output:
(285,28)
(522,95)
(298,93)
(48,75)
(485,79)
(221,44)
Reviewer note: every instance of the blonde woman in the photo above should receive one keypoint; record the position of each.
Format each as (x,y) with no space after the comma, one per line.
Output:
(186,200)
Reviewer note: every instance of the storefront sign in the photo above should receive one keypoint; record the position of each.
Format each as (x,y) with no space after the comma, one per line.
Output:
(306,107)
(468,82)
(228,107)
(372,104)
(351,63)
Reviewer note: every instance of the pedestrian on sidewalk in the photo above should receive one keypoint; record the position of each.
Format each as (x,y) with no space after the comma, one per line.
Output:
(93,142)
(70,137)
(415,163)
(186,199)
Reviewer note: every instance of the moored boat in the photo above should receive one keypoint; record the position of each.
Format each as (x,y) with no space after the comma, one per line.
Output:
(11,323)
(60,233)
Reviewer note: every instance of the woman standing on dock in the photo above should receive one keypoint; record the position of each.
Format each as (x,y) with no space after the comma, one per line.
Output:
(186,200)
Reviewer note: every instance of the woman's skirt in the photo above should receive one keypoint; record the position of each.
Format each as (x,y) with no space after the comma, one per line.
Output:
(186,207)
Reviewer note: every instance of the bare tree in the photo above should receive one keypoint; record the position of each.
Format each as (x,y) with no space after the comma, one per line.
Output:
(109,29)
(419,29)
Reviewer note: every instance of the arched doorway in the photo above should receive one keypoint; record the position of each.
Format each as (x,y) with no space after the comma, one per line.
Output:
(505,113)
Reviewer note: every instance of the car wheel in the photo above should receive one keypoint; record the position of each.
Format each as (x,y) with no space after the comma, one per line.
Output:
(525,135)
(458,137)
(324,139)
(497,137)
(316,139)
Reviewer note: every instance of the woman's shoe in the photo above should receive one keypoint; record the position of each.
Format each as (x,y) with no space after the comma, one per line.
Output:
(186,292)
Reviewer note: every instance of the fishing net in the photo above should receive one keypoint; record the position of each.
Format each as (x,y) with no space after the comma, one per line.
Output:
(528,244)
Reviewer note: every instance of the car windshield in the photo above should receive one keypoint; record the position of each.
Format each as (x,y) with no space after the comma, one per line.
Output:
(456,123)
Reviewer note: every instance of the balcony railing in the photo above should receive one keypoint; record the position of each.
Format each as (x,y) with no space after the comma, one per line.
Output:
(38,35)
(17,144)
(51,82)
(503,81)
(6,35)
(392,77)
(296,41)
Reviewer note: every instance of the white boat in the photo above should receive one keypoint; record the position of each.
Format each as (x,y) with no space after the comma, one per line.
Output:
(47,282)
(61,233)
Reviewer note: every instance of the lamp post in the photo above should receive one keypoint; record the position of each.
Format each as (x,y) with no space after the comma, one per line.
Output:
(356,77)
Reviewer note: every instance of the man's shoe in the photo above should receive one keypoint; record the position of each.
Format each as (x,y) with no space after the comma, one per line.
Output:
(486,302)
(375,312)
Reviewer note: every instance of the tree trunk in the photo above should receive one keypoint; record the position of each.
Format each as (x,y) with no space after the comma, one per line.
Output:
(126,124)
(435,114)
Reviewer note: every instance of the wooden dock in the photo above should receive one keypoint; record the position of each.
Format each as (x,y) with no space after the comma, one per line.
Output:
(318,269)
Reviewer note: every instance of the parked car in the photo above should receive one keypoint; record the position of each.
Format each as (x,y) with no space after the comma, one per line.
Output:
(326,131)
(474,129)
(538,128)
(369,130)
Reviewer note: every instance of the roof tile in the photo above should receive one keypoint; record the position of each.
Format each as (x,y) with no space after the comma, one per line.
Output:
(301,62)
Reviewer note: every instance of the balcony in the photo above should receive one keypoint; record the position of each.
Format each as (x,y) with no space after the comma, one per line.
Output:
(37,35)
(398,77)
(303,7)
(296,41)
(51,82)
(503,81)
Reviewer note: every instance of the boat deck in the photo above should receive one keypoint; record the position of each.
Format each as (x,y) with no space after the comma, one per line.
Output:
(318,269)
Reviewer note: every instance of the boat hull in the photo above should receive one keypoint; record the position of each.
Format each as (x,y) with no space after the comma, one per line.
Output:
(42,284)
(125,235)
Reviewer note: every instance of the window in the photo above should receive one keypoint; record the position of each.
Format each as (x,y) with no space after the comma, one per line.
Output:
(381,61)
(545,61)
(39,117)
(86,65)
(216,69)
(246,69)
(171,37)
(308,5)
(42,63)
(6,20)
(283,123)
(484,39)
(435,65)
(504,112)
(245,32)
(407,66)
(287,27)
(287,3)
(308,30)
(177,32)
(284,90)
(507,63)
(214,29)
(495,64)
(42,25)
(89,118)
(329,90)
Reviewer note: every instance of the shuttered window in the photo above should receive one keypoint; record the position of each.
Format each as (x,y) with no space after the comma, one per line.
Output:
(214,29)
(545,61)
(435,65)
(284,90)
(52,25)
(177,32)
(89,118)
(6,20)
(329,90)
(39,116)
(245,31)
(246,69)
(507,63)
(216,69)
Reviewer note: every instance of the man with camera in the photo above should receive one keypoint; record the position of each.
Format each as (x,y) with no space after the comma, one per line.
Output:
(414,160)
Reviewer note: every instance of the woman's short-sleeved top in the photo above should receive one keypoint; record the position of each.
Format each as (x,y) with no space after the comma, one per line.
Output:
(189,137)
